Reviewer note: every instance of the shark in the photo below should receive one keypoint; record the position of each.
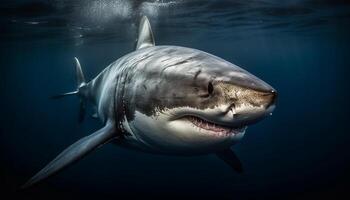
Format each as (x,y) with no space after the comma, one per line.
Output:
(168,100)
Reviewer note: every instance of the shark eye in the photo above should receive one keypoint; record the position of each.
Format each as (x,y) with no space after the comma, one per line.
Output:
(210,88)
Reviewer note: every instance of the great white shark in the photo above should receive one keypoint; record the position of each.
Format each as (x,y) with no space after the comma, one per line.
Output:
(168,100)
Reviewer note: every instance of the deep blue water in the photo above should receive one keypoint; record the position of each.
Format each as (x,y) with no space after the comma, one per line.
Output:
(300,47)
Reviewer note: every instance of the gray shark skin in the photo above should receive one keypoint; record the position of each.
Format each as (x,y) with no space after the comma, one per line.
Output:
(168,100)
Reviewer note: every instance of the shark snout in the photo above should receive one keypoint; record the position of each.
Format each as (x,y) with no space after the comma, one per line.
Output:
(243,105)
(253,106)
(272,98)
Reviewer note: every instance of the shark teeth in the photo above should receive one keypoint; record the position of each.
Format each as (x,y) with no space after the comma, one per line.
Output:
(203,124)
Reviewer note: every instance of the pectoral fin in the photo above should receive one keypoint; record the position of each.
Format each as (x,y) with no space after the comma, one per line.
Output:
(74,153)
(230,158)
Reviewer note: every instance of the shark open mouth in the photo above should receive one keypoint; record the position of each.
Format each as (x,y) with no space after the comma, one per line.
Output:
(213,127)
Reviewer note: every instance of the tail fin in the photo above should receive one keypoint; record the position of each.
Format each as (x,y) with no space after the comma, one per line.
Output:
(80,80)
(64,95)
(79,74)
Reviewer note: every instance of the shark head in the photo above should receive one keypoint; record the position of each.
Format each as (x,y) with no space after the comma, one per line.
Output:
(183,100)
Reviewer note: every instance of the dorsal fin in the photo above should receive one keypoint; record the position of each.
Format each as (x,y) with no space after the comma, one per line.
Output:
(145,37)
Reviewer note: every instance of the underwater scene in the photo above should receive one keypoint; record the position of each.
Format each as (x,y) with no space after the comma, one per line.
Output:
(282,135)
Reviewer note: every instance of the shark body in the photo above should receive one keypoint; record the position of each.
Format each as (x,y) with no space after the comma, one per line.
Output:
(168,100)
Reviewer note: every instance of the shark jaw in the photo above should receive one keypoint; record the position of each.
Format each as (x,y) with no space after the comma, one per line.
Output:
(212,128)
(181,131)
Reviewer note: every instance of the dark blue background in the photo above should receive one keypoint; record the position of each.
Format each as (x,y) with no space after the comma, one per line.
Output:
(299,47)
